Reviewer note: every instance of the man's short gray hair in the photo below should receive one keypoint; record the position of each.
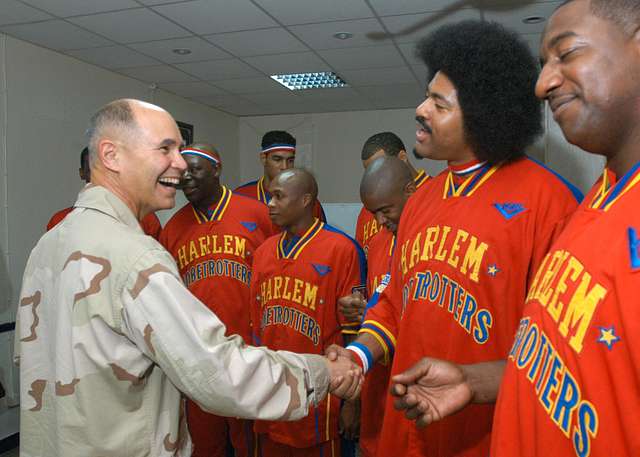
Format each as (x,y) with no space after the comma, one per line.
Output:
(115,116)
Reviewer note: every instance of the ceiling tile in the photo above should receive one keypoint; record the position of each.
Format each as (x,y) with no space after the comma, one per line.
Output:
(413,27)
(408,50)
(512,16)
(160,2)
(273,98)
(297,62)
(190,90)
(421,73)
(157,74)
(229,103)
(131,25)
(214,70)
(57,34)
(113,57)
(65,8)
(387,8)
(251,85)
(13,12)
(257,42)
(306,11)
(320,36)
(331,94)
(163,50)
(216,16)
(359,58)
(378,76)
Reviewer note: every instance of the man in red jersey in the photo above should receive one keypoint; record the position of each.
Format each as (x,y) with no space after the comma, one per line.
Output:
(298,277)
(150,224)
(570,385)
(385,188)
(469,241)
(213,239)
(376,146)
(278,153)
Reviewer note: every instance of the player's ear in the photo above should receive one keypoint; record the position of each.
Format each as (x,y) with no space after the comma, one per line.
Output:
(402,155)
(307,200)
(263,158)
(217,170)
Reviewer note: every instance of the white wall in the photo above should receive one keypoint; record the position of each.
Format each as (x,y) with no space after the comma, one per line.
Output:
(46,100)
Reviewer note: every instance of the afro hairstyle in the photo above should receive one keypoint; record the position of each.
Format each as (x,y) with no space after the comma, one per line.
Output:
(495,74)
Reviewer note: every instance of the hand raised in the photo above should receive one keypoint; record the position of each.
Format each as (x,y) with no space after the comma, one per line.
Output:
(430,391)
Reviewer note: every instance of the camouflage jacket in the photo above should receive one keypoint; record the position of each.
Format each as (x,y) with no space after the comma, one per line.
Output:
(107,338)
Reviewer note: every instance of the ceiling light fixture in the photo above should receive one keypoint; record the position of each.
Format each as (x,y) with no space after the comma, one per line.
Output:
(533,20)
(343,35)
(301,81)
(181,51)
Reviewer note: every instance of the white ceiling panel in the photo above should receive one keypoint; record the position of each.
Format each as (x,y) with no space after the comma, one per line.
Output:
(394,96)
(163,50)
(378,76)
(387,8)
(130,26)
(408,50)
(113,57)
(307,11)
(57,34)
(273,98)
(161,2)
(65,8)
(14,12)
(413,27)
(321,36)
(251,85)
(194,89)
(214,70)
(359,58)
(513,16)
(157,74)
(216,16)
(297,62)
(230,103)
(258,42)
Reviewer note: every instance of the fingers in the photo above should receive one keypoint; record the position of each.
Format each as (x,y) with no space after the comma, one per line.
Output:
(413,374)
(398,390)
(333,351)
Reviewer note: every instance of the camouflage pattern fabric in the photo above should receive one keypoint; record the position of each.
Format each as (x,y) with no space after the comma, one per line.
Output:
(108,337)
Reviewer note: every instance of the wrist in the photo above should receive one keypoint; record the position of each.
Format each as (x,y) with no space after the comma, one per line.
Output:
(361,355)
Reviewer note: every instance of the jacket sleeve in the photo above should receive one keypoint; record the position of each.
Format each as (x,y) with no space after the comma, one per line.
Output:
(222,374)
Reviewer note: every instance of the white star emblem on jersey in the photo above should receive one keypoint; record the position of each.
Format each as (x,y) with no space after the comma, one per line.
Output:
(493,270)
(608,336)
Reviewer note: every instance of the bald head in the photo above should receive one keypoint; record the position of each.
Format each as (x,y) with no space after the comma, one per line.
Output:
(298,182)
(385,176)
(385,187)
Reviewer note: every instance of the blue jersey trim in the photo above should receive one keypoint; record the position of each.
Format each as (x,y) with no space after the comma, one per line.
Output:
(577,193)
(250,183)
(362,258)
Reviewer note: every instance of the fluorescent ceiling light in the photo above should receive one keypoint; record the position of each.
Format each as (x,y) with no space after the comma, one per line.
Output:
(300,81)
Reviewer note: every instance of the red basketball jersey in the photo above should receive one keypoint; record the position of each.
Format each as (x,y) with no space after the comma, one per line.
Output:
(296,287)
(468,245)
(214,253)
(572,381)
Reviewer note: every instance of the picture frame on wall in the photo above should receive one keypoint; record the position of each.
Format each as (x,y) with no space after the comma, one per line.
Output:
(186,130)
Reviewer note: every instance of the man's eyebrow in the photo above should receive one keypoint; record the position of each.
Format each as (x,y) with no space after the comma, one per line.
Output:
(558,38)
(168,142)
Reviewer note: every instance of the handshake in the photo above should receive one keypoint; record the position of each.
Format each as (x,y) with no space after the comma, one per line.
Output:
(345,376)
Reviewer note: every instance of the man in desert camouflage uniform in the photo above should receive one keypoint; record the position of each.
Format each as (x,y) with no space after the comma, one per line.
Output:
(108,336)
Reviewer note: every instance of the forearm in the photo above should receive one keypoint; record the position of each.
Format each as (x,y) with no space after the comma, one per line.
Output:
(367,343)
(484,380)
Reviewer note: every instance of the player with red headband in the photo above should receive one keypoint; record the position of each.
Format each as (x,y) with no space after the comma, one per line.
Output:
(278,153)
(213,239)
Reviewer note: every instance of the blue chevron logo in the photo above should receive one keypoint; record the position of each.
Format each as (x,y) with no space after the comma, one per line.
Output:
(321,269)
(509,210)
(251,226)
(634,244)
